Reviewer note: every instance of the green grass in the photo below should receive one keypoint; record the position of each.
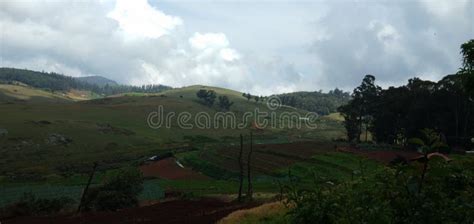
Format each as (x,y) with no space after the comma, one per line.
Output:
(18,93)
(29,163)
(11,193)
(334,166)
(25,150)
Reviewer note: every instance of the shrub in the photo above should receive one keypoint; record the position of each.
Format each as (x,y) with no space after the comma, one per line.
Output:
(118,192)
(30,205)
(391,196)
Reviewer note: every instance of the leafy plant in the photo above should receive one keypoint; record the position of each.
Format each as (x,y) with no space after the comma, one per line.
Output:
(120,191)
(448,197)
(29,205)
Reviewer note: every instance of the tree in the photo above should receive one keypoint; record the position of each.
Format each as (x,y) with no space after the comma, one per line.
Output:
(351,121)
(366,95)
(118,192)
(257,98)
(207,96)
(224,102)
(248,96)
(361,109)
(467,52)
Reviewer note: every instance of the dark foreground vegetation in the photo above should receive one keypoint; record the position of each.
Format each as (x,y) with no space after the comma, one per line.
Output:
(395,195)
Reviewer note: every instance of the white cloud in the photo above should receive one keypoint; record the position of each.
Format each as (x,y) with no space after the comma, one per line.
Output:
(445,8)
(260,48)
(138,19)
(208,41)
(207,59)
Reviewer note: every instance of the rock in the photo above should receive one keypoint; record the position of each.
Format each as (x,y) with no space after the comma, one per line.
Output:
(3,132)
(57,139)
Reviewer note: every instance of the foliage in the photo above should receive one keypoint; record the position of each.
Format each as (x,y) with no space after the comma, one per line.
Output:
(318,102)
(29,205)
(361,109)
(207,168)
(207,96)
(120,191)
(351,121)
(248,96)
(429,142)
(391,196)
(467,71)
(396,114)
(224,103)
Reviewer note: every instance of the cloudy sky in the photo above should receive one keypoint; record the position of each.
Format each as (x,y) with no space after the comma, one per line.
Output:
(261,47)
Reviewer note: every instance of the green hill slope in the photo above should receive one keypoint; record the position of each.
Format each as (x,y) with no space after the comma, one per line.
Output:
(46,138)
(17,93)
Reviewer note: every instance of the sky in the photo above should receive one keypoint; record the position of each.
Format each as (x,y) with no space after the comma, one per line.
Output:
(261,47)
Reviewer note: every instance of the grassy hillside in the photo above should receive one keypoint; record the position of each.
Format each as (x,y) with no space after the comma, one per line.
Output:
(114,131)
(319,102)
(18,93)
(58,82)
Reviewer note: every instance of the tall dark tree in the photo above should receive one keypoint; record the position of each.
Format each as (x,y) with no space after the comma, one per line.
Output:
(366,95)
(361,109)
(257,98)
(467,52)
(248,96)
(224,103)
(207,96)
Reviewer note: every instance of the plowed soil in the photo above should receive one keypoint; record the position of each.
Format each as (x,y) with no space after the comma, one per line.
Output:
(205,210)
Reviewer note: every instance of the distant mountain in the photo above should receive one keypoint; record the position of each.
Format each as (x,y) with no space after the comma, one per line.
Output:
(57,82)
(97,80)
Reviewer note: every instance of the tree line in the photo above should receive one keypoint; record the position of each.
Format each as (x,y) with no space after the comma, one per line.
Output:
(396,114)
(57,82)
(208,97)
(317,101)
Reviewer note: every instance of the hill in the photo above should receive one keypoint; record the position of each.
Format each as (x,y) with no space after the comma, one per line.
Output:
(114,130)
(58,82)
(319,102)
(97,80)
(17,93)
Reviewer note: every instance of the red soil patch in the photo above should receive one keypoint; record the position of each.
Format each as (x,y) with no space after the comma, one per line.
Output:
(168,169)
(205,210)
(384,156)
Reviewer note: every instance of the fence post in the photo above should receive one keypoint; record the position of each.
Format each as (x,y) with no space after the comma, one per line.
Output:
(87,188)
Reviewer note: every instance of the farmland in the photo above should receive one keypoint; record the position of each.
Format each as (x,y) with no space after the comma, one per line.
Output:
(54,139)
(113,131)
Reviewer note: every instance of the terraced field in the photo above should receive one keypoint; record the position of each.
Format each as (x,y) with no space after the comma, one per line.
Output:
(270,159)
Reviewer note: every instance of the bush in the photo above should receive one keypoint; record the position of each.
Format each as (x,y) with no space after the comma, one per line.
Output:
(30,205)
(392,196)
(118,192)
